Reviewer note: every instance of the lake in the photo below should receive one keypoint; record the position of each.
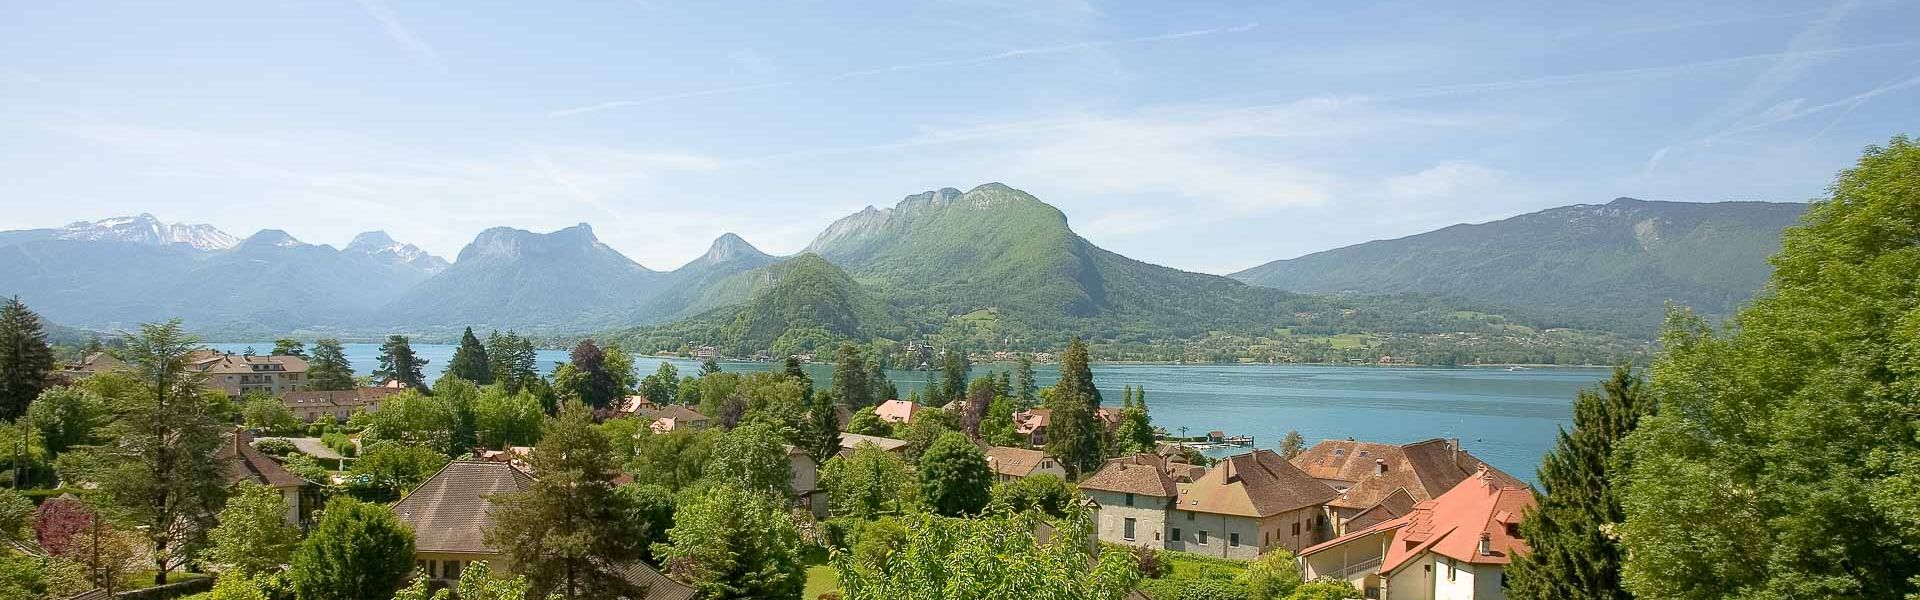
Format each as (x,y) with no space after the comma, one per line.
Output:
(1508,418)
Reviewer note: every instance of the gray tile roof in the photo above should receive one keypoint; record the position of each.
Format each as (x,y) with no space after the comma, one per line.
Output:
(451,513)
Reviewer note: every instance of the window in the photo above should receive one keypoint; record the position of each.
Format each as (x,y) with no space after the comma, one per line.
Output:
(1296,529)
(1233,540)
(1127,532)
(1176,534)
(1266,538)
(1129,499)
(1451,570)
(1189,515)
(452,570)
(1203,537)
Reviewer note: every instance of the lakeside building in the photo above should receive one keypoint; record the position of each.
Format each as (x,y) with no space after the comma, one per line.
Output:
(1453,547)
(450,514)
(1010,463)
(1244,507)
(235,374)
(1033,423)
(335,405)
(1380,482)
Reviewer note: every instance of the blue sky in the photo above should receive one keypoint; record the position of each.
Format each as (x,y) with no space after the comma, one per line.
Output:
(1202,135)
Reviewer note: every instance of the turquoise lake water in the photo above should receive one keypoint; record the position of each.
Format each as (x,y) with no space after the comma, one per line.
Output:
(1508,418)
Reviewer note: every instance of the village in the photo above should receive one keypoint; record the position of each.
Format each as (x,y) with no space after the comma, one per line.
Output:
(1423,520)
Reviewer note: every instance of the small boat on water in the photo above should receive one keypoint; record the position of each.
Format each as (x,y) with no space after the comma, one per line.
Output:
(1518,368)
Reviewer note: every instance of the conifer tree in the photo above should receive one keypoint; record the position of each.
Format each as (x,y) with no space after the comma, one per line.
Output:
(399,363)
(820,434)
(512,361)
(1074,431)
(329,369)
(571,529)
(470,360)
(25,358)
(851,382)
(1025,390)
(1574,554)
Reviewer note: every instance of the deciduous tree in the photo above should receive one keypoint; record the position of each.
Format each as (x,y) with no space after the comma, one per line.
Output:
(869,483)
(730,542)
(357,551)
(253,537)
(954,477)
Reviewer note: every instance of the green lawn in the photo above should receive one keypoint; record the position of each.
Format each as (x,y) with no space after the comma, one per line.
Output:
(820,580)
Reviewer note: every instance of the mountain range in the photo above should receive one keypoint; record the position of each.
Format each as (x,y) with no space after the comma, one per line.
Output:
(992,266)
(1610,266)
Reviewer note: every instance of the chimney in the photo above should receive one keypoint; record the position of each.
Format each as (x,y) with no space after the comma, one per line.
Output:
(1379,467)
(1453,445)
(1486,544)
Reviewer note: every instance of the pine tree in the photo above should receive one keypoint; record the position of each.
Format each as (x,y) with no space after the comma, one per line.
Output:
(25,358)
(709,367)
(398,363)
(289,347)
(877,382)
(820,434)
(1574,553)
(571,528)
(470,360)
(512,361)
(850,378)
(1026,391)
(1074,431)
(954,367)
(329,369)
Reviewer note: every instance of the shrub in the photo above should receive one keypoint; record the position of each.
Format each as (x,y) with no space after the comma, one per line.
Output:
(275,447)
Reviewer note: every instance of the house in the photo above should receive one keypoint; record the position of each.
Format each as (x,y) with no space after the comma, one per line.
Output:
(244,463)
(852,441)
(804,483)
(1379,482)
(1453,547)
(1033,423)
(450,514)
(1009,463)
(1132,496)
(88,366)
(242,374)
(673,416)
(334,405)
(897,411)
(1247,505)
(632,405)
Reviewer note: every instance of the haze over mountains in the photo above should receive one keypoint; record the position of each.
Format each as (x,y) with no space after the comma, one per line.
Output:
(991,264)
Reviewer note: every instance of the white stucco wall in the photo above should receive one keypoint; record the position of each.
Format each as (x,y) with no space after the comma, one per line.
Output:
(1149,514)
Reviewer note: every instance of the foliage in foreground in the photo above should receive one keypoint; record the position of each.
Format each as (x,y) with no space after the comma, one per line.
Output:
(993,557)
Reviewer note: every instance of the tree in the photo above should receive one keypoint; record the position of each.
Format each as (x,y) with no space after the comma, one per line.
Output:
(675,459)
(878,385)
(1026,391)
(25,358)
(413,419)
(978,400)
(357,551)
(730,542)
(1783,460)
(752,457)
(663,386)
(161,473)
(104,551)
(289,347)
(619,366)
(398,363)
(387,470)
(851,382)
(1074,431)
(954,368)
(1274,576)
(253,537)
(866,484)
(926,427)
(470,360)
(593,383)
(477,582)
(1292,445)
(68,417)
(988,557)
(1574,554)
(819,434)
(329,369)
(955,480)
(570,531)
(461,399)
(512,361)
(236,586)
(866,422)
(652,505)
(1135,433)
(1044,492)
(997,427)
(266,412)
(503,419)
(709,367)
(1323,589)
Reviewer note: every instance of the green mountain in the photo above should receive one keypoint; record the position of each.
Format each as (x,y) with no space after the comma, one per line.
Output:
(801,304)
(994,267)
(1612,266)
(715,279)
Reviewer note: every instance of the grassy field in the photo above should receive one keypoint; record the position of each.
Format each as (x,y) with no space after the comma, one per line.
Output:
(1189,571)
(820,580)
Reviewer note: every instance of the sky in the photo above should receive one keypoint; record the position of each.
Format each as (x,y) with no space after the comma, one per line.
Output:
(1208,136)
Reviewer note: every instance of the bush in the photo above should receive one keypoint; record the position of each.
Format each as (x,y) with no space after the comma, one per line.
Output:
(1214,589)
(1324,589)
(275,447)
(1147,560)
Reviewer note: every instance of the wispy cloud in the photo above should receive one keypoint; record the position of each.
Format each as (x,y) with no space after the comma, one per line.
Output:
(903,68)
(399,32)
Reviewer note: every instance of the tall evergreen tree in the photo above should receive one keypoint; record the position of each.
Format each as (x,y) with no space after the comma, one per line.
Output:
(1074,431)
(162,472)
(513,362)
(820,433)
(470,360)
(1135,432)
(25,358)
(329,369)
(954,367)
(594,385)
(709,367)
(1025,390)
(851,382)
(399,363)
(1574,553)
(571,530)
(877,382)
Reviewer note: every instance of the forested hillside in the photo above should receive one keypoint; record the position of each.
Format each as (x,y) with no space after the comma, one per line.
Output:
(1613,266)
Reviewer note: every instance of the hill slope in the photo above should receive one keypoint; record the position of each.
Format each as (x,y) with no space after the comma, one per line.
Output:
(801,304)
(1611,266)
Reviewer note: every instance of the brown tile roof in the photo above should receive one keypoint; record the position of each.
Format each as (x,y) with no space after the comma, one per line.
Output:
(1014,462)
(1396,505)
(850,441)
(1256,484)
(1372,471)
(677,412)
(247,464)
(1142,474)
(656,584)
(233,364)
(451,513)
(354,398)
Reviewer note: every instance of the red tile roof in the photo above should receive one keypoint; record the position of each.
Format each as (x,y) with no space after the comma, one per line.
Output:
(1453,525)
(897,411)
